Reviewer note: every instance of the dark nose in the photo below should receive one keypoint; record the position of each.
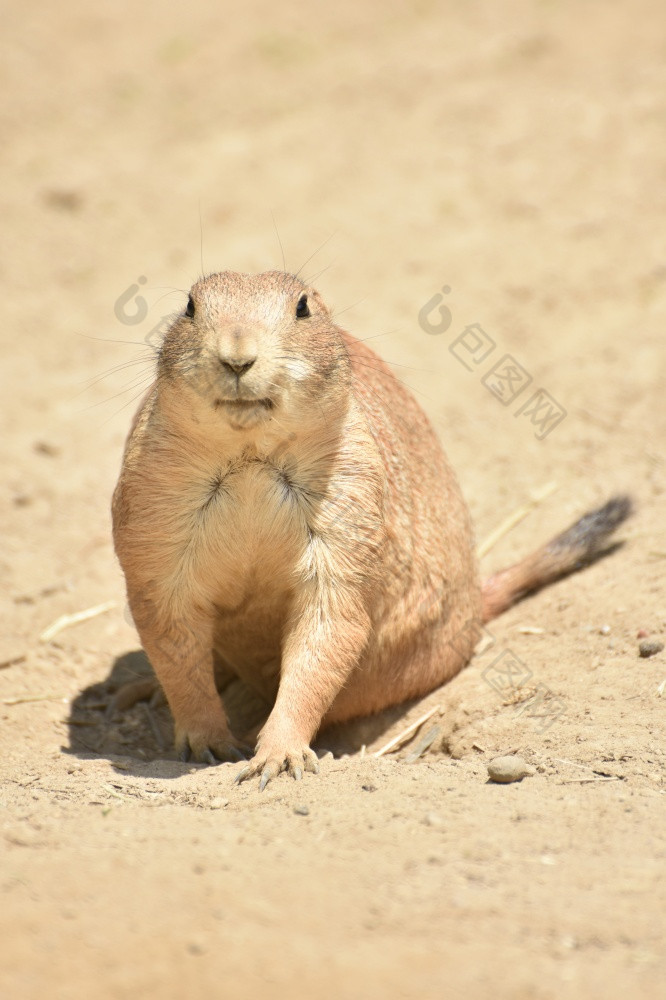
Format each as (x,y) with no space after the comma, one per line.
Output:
(237,367)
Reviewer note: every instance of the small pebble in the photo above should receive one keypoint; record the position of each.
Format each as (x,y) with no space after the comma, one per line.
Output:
(641,634)
(301,810)
(507,769)
(218,803)
(432,819)
(649,647)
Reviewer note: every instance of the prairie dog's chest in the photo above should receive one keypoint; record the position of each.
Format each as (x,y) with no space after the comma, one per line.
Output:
(243,532)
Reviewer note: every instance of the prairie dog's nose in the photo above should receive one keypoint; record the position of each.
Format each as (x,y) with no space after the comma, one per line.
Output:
(237,366)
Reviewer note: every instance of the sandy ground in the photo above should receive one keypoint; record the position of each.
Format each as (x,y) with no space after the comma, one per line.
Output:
(514,153)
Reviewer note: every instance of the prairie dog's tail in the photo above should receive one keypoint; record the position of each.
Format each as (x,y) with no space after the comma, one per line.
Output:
(567,552)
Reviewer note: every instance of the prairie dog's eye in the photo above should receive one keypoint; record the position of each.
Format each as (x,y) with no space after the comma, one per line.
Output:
(302,309)
(189,311)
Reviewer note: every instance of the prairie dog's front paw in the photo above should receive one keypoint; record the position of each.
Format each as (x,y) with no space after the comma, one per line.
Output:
(273,758)
(211,744)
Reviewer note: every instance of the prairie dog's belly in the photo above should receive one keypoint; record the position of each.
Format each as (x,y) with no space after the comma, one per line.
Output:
(251,544)
(248,636)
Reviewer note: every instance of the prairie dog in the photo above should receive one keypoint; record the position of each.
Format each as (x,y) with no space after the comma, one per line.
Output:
(286,510)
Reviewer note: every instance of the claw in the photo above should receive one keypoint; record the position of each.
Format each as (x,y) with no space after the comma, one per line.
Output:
(236,754)
(185,753)
(244,772)
(269,772)
(268,767)
(208,757)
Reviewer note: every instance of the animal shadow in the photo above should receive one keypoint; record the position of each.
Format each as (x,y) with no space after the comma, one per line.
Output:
(126,716)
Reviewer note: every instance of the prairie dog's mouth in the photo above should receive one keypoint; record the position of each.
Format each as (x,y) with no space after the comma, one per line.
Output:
(244,414)
(244,404)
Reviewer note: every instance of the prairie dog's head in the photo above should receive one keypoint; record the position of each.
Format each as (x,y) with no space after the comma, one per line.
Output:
(255,347)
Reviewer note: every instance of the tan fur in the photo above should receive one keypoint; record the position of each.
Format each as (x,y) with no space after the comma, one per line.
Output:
(312,537)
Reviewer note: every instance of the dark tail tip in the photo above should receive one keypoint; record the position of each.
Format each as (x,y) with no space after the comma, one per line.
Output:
(578,546)
(589,533)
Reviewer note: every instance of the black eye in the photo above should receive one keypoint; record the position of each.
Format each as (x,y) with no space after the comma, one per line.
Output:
(302,309)
(189,311)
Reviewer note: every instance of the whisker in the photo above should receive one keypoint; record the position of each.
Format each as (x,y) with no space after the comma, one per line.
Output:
(123,407)
(143,380)
(284,265)
(95,380)
(314,277)
(363,340)
(110,340)
(171,291)
(339,312)
(397,364)
(374,391)
(314,254)
(203,271)
(145,359)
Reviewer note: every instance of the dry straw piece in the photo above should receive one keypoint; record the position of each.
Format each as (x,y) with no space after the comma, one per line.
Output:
(79,616)
(402,736)
(536,497)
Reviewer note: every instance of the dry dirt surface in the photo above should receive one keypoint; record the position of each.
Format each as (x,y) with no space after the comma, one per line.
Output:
(513,154)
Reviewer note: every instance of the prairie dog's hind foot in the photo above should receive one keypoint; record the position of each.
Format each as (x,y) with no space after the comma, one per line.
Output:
(131,692)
